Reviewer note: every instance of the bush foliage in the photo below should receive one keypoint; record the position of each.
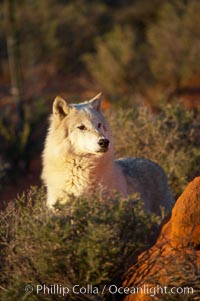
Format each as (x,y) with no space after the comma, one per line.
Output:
(134,58)
(173,63)
(113,60)
(142,42)
(88,241)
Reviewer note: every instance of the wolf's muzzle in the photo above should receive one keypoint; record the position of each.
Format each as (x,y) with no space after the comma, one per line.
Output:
(103,143)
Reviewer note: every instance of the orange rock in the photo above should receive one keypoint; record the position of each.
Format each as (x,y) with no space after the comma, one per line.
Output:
(186,215)
(174,260)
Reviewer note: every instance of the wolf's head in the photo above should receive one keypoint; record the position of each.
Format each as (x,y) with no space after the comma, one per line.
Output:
(82,127)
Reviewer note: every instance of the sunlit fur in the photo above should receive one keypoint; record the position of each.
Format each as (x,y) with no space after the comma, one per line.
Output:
(74,163)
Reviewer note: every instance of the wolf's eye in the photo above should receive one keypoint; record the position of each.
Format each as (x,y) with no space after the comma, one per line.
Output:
(81,127)
(99,125)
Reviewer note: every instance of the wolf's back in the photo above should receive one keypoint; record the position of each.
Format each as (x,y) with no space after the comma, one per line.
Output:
(149,180)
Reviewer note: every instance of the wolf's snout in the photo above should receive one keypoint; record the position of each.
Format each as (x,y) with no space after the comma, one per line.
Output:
(103,143)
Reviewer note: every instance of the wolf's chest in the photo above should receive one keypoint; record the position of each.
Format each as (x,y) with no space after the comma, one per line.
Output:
(79,179)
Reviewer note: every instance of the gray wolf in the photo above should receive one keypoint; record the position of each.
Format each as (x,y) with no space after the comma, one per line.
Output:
(78,158)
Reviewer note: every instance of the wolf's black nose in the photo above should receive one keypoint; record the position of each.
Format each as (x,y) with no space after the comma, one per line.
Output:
(103,143)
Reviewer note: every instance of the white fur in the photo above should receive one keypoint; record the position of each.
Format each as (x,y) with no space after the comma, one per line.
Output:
(73,163)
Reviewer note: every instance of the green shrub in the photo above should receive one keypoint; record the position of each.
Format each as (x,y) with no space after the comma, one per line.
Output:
(174,63)
(88,241)
(169,138)
(111,65)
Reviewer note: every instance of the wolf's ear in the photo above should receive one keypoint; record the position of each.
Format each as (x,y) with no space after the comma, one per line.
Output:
(60,107)
(95,102)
